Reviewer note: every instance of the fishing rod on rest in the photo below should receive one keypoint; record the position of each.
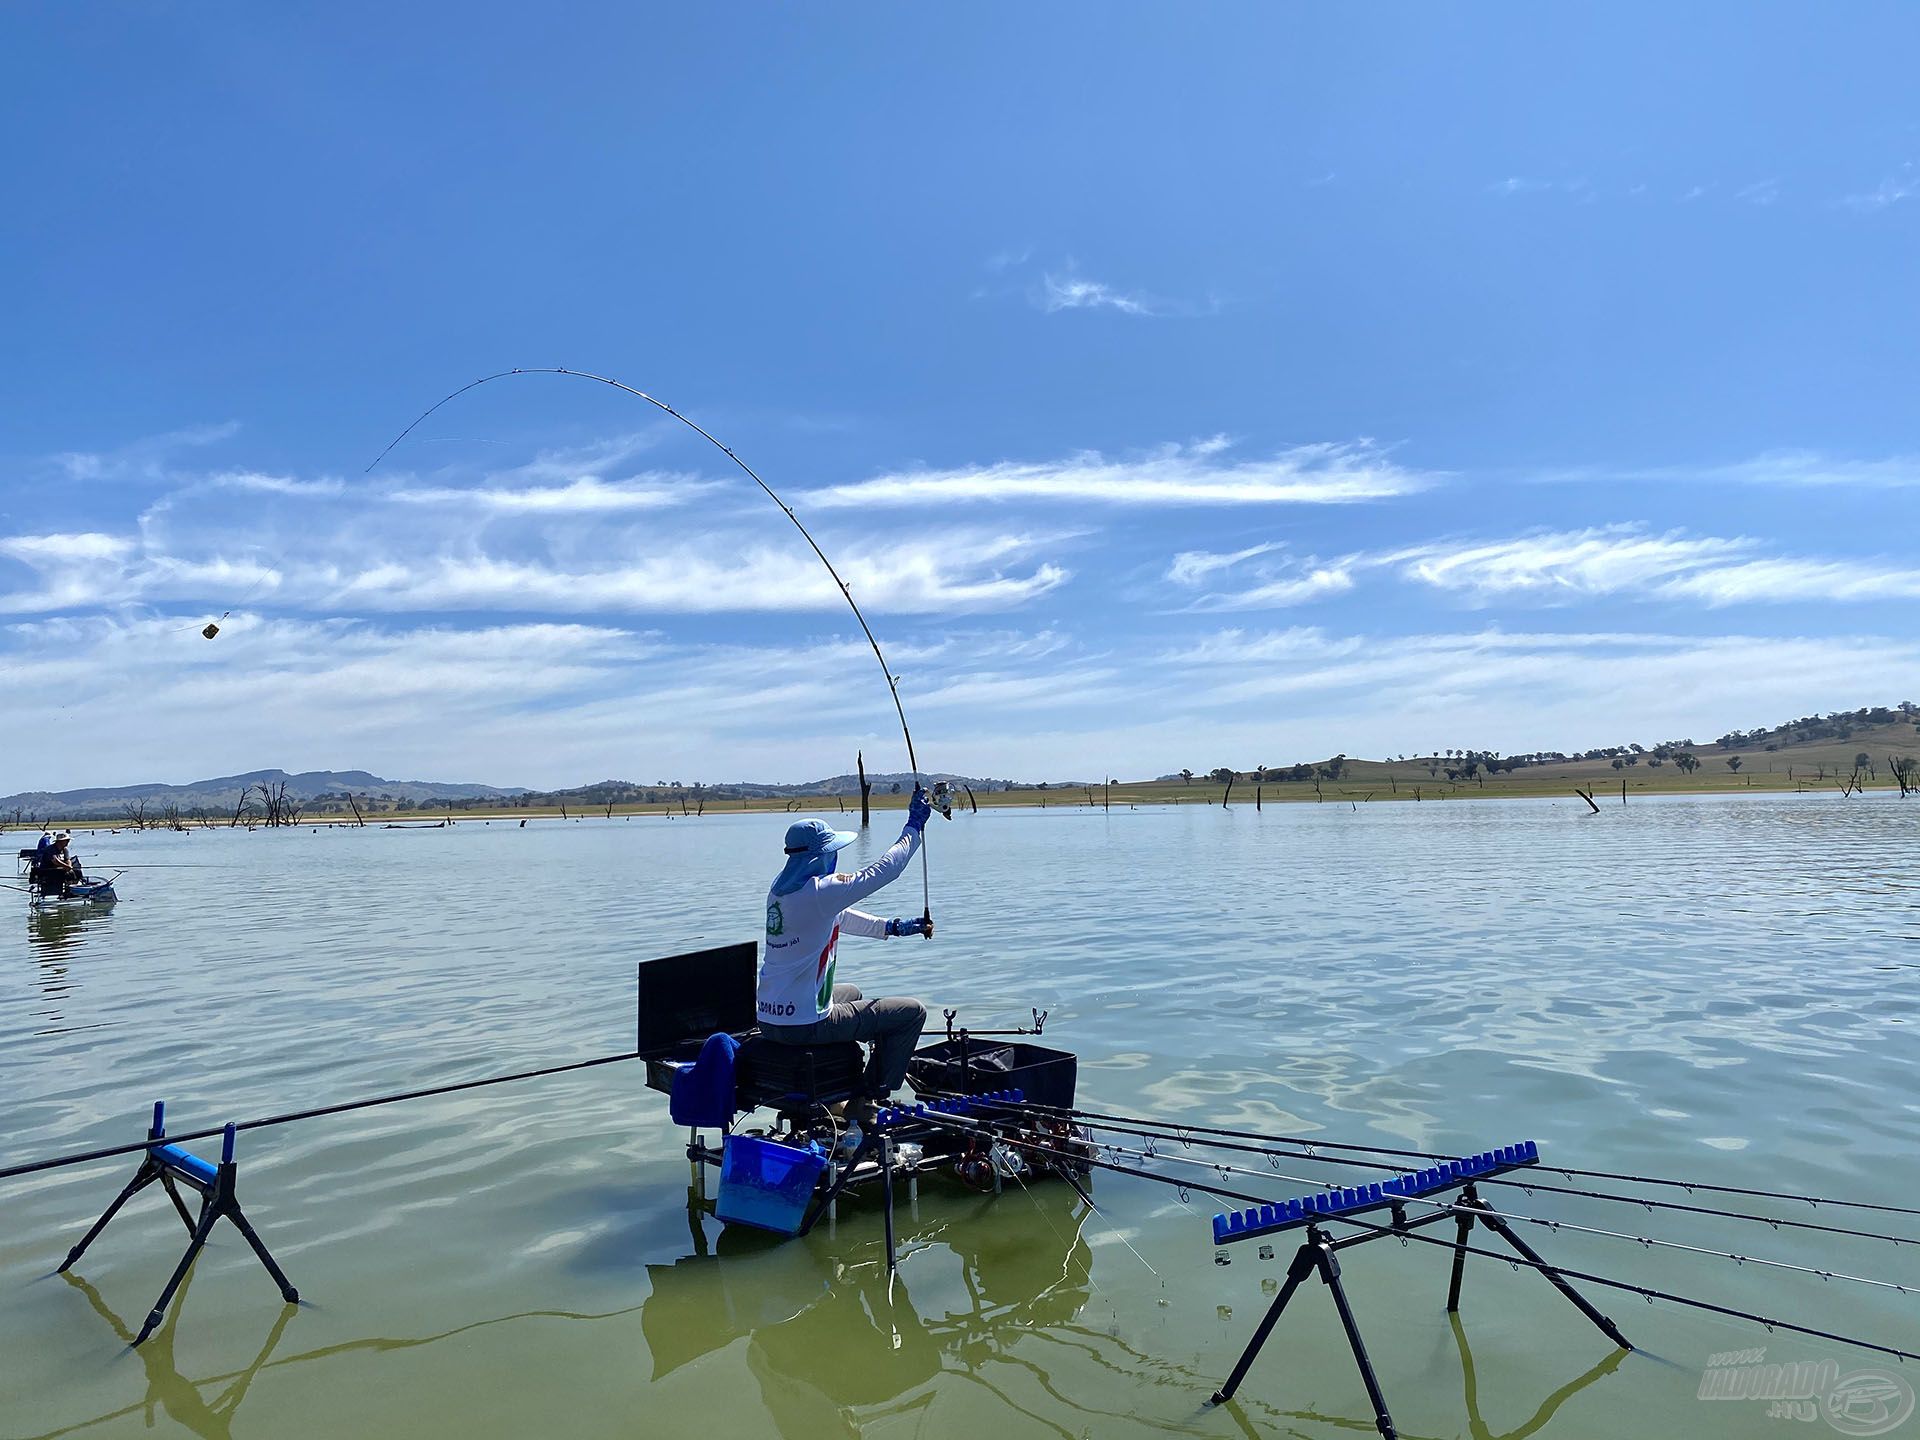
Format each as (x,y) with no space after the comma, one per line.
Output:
(846,590)
(1151,1130)
(1645,1292)
(1650,1242)
(1191,1134)
(83,1157)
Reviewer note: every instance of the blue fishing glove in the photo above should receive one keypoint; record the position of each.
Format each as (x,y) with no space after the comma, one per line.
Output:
(922,926)
(919,809)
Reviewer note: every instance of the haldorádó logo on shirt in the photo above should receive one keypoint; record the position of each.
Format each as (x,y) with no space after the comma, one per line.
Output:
(776,922)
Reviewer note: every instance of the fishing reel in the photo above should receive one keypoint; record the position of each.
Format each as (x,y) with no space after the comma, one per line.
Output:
(985,1166)
(1062,1148)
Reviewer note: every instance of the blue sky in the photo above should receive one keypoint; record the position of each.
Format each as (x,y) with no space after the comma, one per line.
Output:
(1178,385)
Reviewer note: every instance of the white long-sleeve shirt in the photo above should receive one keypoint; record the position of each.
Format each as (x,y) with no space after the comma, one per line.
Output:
(803,929)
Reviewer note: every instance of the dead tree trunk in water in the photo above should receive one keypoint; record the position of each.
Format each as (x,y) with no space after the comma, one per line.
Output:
(866,790)
(1256,797)
(970,800)
(1587,796)
(360,819)
(1226,794)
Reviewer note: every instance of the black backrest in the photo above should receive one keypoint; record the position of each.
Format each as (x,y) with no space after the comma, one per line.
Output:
(689,997)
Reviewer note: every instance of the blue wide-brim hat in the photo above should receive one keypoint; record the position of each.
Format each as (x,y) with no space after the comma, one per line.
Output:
(811,845)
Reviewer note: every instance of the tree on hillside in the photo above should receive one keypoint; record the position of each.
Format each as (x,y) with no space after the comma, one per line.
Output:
(1687,761)
(1186,777)
(1733,763)
(1862,761)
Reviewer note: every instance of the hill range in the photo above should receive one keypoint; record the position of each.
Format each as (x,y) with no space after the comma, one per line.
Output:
(1871,747)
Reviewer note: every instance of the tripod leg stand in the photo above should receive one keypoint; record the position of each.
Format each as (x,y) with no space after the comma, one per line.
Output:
(145,1176)
(1315,1255)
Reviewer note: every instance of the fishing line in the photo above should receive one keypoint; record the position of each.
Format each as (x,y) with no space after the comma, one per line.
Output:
(846,590)
(1642,1240)
(1556,1225)
(1141,1128)
(1182,1131)
(1647,1293)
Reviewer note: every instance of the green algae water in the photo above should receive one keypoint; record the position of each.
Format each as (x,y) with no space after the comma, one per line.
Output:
(1718,989)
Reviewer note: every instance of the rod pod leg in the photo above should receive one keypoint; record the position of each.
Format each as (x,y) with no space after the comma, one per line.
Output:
(1303,1264)
(287,1292)
(1580,1302)
(1463,1223)
(1330,1272)
(143,1177)
(207,1217)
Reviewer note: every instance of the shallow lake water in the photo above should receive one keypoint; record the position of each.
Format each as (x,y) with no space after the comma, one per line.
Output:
(1719,989)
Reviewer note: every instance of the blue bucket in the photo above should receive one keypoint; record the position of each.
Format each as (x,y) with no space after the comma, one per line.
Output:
(766,1185)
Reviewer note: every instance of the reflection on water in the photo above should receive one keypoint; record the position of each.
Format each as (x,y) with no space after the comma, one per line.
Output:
(835,1346)
(1707,988)
(167,1391)
(54,936)
(1476,1422)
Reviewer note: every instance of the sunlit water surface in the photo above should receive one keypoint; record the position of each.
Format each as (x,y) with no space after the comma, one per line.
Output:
(1709,988)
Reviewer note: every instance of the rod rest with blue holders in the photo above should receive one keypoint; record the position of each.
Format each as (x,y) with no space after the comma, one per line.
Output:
(170,1166)
(1415,1184)
(892,1115)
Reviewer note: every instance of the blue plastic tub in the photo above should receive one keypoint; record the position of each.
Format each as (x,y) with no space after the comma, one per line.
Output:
(766,1185)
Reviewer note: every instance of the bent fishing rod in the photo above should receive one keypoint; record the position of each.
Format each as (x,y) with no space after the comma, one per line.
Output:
(846,590)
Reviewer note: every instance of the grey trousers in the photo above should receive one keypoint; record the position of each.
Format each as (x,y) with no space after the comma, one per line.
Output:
(890,1024)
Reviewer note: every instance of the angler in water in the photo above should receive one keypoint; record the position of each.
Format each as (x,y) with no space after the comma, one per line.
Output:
(807,909)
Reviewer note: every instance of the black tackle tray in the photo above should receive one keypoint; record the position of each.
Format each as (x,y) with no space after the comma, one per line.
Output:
(1046,1076)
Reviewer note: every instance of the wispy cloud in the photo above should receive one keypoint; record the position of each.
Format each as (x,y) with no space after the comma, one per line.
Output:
(1760,192)
(960,572)
(1527,690)
(584,496)
(1576,188)
(1191,474)
(1279,579)
(1191,567)
(1775,467)
(1787,579)
(956,574)
(1076,292)
(143,459)
(1563,563)
(70,548)
(1622,560)
(253,482)
(1553,567)
(1900,185)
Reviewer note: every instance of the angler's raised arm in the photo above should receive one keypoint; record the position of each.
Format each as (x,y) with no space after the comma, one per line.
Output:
(851,889)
